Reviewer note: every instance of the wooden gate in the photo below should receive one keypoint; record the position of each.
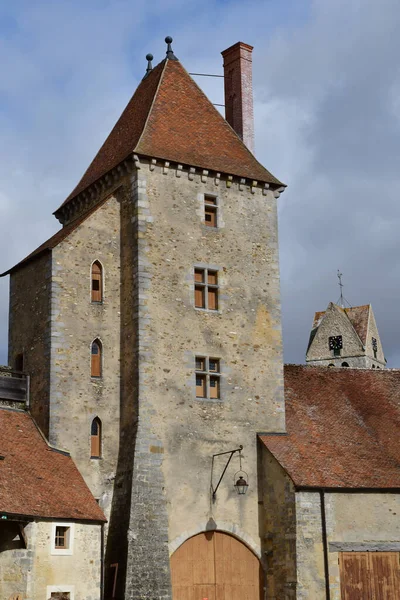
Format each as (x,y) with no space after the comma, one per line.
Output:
(215,566)
(369,575)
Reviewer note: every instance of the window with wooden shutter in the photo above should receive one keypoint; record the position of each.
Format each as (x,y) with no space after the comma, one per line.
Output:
(95,438)
(210,211)
(96,359)
(206,289)
(207,372)
(61,540)
(97,282)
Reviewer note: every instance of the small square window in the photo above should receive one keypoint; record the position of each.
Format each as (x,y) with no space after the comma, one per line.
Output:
(60,592)
(214,365)
(200,364)
(62,539)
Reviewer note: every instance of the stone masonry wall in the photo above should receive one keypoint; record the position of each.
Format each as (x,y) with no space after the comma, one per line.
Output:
(309,547)
(29,331)
(360,522)
(76,397)
(354,522)
(30,571)
(278,512)
(177,433)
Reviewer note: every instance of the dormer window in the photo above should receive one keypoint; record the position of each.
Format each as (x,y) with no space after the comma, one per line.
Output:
(374,347)
(336,344)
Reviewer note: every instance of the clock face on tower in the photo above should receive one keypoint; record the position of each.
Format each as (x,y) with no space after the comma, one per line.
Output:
(335,342)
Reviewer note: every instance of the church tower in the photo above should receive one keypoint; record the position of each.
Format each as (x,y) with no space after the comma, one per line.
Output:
(345,337)
(150,326)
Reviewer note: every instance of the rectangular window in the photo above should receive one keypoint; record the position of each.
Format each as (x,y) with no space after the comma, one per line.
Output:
(206,289)
(207,378)
(210,211)
(60,595)
(61,540)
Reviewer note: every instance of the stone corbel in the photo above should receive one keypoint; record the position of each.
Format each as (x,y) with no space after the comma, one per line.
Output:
(229,181)
(152,164)
(217,178)
(279,191)
(204,176)
(265,189)
(254,185)
(242,183)
(166,167)
(136,160)
(179,170)
(192,171)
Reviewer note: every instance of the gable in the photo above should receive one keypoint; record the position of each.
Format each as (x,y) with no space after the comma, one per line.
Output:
(333,322)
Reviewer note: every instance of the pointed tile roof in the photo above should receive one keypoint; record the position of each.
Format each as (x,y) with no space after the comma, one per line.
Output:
(170,118)
(358,316)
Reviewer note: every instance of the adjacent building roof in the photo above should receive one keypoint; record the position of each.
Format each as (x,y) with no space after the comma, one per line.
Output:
(342,428)
(170,118)
(37,480)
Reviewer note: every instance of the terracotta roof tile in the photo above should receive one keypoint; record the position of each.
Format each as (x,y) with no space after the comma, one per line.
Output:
(343,428)
(37,480)
(170,118)
(359,316)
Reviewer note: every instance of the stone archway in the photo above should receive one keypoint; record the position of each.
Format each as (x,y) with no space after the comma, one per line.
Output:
(215,566)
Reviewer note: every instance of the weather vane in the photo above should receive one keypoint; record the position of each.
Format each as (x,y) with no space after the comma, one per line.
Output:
(342,300)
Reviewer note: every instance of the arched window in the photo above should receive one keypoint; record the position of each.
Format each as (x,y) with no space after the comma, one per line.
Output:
(97,282)
(96,359)
(331,365)
(95,438)
(345,364)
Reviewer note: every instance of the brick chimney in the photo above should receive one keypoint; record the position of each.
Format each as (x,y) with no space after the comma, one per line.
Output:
(239,91)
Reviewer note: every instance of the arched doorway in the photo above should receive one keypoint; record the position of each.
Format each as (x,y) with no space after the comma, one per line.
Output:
(215,566)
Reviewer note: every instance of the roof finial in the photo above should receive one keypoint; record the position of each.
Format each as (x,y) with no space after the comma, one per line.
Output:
(149,58)
(170,52)
(342,300)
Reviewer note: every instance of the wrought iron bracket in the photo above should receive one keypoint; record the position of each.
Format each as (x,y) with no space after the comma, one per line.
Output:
(231,453)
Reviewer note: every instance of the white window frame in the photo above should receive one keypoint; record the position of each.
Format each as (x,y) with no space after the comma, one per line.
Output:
(60,588)
(62,551)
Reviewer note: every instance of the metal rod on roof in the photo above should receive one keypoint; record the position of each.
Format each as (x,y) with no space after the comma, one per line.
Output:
(206,75)
(218,104)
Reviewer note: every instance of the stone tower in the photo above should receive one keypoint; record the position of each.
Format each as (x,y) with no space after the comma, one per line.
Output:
(150,325)
(345,337)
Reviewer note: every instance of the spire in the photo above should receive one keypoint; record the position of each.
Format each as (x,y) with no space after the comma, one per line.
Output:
(170,52)
(149,58)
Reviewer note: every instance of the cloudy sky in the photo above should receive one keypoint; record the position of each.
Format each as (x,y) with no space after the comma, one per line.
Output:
(327,109)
